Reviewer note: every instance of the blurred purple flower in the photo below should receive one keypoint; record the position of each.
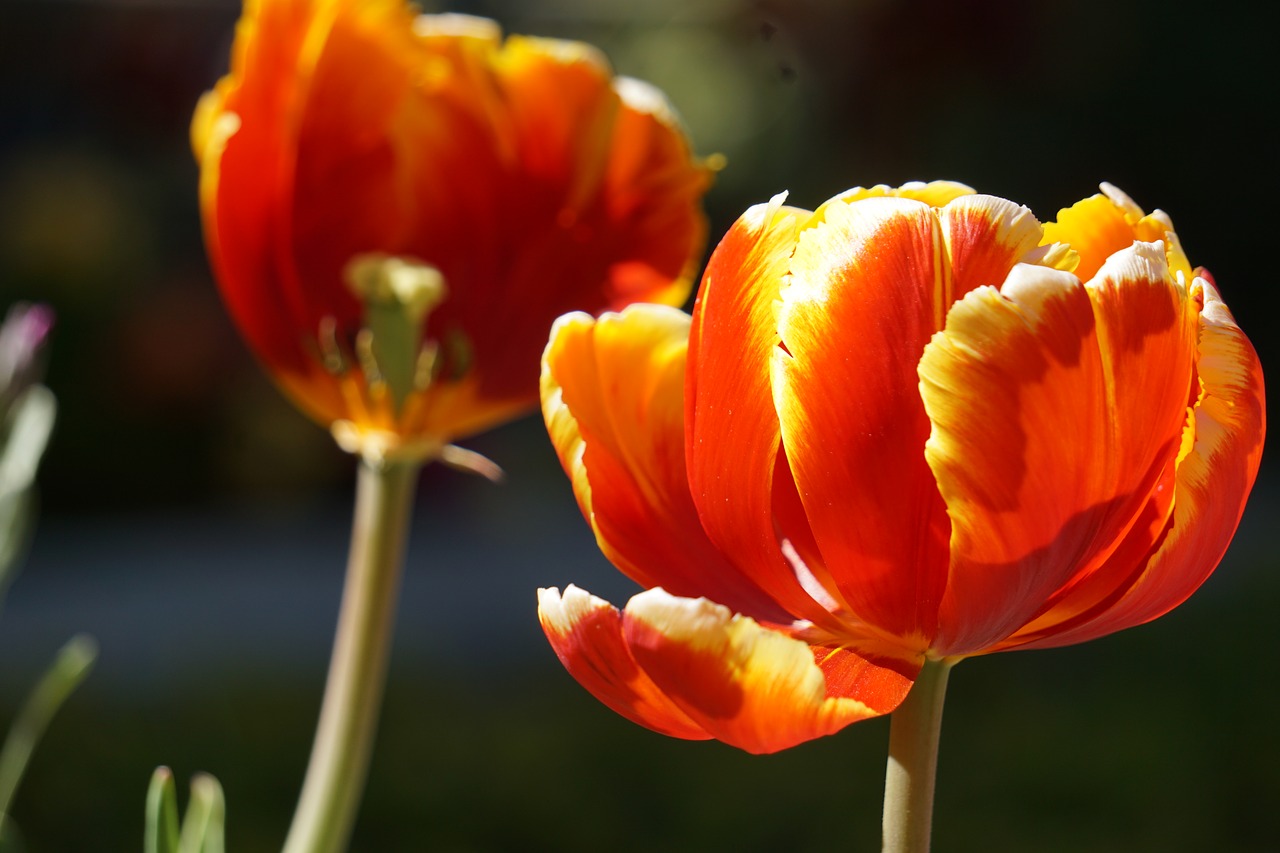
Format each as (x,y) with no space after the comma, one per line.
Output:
(23,336)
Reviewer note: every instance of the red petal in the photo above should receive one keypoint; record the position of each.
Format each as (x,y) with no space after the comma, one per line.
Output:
(586,633)
(861,304)
(732,430)
(245,134)
(595,205)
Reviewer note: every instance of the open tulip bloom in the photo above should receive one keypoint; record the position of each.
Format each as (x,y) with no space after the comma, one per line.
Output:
(914,426)
(397,207)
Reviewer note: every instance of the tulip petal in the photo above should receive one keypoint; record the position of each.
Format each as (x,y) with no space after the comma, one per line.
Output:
(586,633)
(1211,485)
(862,300)
(750,686)
(1056,409)
(934,193)
(985,237)
(613,401)
(874,506)
(732,436)
(1101,225)
(651,184)
(596,208)
(243,134)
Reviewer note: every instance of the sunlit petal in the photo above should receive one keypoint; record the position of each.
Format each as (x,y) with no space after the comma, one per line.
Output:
(586,633)
(1101,225)
(748,685)
(732,430)
(613,401)
(1213,479)
(932,193)
(861,302)
(1044,455)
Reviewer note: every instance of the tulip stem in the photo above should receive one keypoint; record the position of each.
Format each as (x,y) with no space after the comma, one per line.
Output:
(914,729)
(357,671)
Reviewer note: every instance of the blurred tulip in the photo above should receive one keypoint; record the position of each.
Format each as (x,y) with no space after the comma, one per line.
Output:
(398,206)
(912,427)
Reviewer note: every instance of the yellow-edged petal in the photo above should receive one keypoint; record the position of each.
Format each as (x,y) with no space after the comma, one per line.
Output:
(750,686)
(857,311)
(586,633)
(613,402)
(1056,408)
(732,433)
(1214,473)
(1101,225)
(932,193)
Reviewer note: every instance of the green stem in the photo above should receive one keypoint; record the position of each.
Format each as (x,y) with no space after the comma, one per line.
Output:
(357,672)
(914,730)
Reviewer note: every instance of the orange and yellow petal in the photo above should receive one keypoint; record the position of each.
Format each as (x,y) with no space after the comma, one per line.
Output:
(1101,225)
(932,193)
(748,685)
(1214,475)
(985,237)
(732,433)
(859,306)
(586,633)
(613,401)
(1044,453)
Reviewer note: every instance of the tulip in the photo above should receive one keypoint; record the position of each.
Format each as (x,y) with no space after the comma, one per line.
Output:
(397,207)
(911,427)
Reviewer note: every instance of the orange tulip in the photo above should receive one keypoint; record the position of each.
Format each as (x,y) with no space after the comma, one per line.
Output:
(914,425)
(398,206)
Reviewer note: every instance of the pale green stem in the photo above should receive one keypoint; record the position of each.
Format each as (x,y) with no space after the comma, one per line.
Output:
(357,672)
(914,729)
(69,669)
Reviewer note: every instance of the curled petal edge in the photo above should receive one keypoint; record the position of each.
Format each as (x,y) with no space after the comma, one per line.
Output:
(691,669)
(586,634)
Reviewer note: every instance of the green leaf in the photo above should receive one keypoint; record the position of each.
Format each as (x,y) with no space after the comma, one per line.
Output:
(69,668)
(162,814)
(202,830)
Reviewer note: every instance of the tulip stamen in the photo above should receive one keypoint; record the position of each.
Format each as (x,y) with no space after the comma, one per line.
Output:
(398,294)
(428,367)
(368,359)
(332,357)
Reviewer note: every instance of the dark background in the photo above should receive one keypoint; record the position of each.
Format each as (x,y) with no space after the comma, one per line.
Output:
(197,526)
